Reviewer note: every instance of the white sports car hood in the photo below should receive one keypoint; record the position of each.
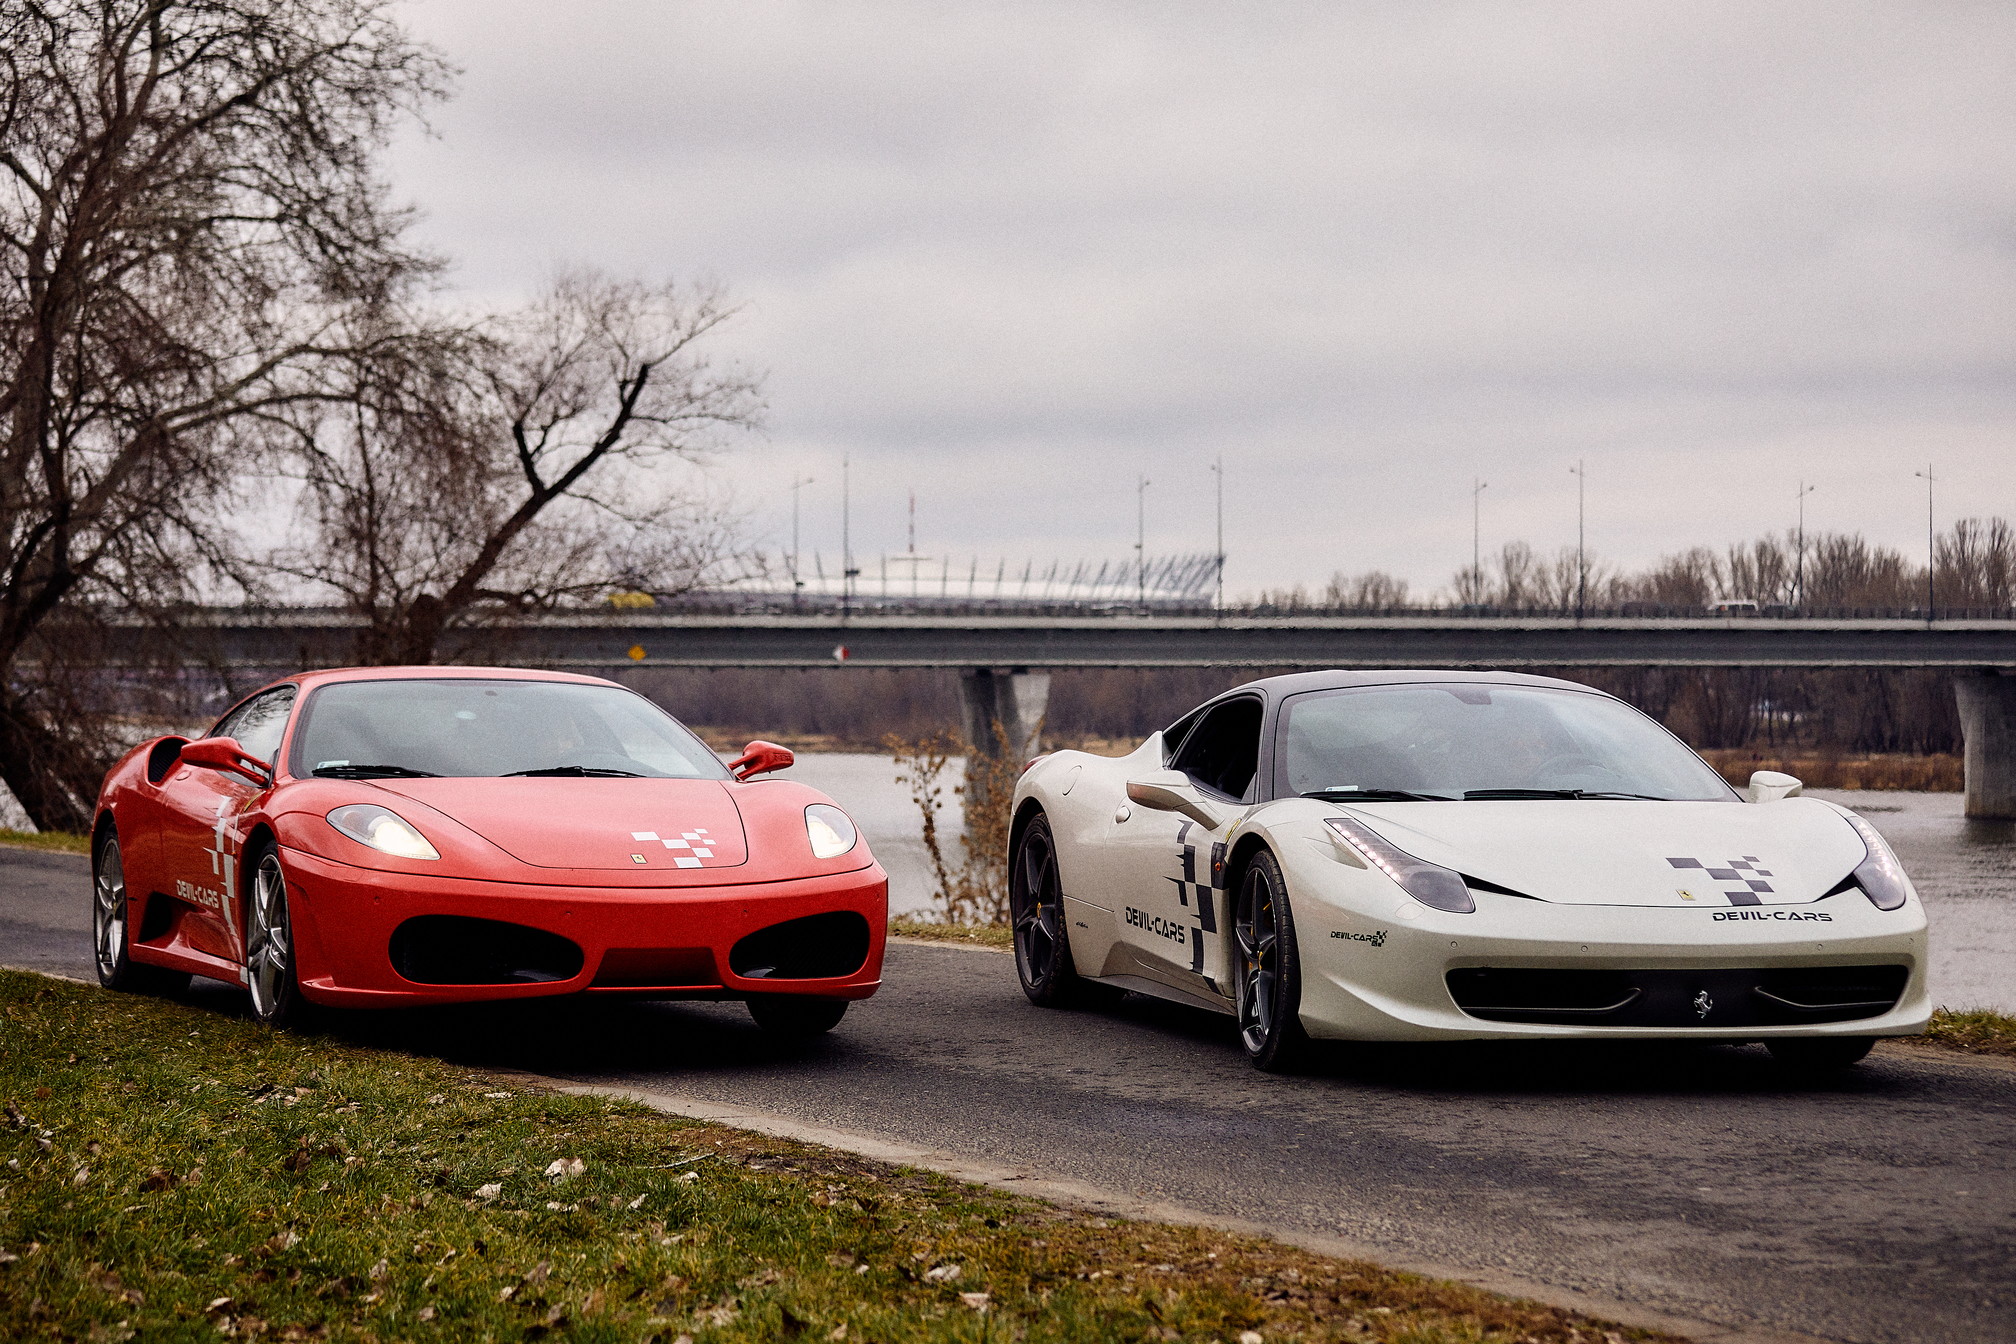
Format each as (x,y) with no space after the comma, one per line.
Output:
(1614,852)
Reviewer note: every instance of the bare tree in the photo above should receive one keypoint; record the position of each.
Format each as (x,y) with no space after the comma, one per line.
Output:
(503,467)
(186,196)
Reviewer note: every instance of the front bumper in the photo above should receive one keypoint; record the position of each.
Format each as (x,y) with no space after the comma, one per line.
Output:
(637,942)
(1376,974)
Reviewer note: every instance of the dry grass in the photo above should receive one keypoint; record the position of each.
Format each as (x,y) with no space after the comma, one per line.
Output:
(1822,770)
(986,935)
(59,842)
(1976,1031)
(169,1173)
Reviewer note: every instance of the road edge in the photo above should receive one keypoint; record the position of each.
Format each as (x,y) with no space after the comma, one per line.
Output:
(1095,1199)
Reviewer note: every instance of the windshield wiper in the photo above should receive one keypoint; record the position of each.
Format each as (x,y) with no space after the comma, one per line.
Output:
(347,771)
(587,770)
(1558,793)
(1376,796)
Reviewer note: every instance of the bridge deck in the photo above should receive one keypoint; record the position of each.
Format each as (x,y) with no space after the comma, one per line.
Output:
(643,639)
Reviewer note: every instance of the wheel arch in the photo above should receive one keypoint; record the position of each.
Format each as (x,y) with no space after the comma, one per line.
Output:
(1244,847)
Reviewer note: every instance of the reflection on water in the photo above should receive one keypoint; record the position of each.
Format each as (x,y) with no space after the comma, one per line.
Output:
(1966,872)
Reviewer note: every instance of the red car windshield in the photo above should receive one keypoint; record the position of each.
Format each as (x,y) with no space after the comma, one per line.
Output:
(469,727)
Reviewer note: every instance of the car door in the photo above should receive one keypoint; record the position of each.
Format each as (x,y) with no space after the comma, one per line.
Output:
(200,840)
(1174,913)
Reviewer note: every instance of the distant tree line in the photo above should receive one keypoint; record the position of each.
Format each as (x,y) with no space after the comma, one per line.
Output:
(1853,710)
(1973,570)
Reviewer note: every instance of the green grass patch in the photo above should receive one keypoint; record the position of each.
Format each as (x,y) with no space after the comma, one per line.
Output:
(170,1173)
(61,842)
(986,935)
(1977,1031)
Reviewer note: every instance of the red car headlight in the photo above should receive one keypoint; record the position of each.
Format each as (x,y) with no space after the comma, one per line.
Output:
(382,829)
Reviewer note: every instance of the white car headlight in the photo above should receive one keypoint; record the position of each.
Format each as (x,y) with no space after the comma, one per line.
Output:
(1431,884)
(1879,874)
(829,830)
(382,829)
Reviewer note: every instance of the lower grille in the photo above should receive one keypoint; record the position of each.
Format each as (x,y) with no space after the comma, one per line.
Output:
(457,950)
(817,947)
(1721,999)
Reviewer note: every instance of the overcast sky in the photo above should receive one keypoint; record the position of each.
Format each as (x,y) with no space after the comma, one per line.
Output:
(1011,256)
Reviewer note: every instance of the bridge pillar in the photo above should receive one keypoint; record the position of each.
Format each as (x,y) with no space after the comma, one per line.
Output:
(1988,726)
(1016,699)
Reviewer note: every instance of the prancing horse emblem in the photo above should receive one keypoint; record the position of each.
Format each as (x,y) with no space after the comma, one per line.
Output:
(1703,1005)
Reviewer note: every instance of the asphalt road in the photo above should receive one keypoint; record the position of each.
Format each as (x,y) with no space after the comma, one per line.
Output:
(1701,1182)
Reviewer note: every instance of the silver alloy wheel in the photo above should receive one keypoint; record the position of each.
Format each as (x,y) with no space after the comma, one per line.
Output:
(1259,958)
(108,910)
(268,938)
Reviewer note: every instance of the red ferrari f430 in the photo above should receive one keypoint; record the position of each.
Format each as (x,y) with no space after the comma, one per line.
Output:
(397,836)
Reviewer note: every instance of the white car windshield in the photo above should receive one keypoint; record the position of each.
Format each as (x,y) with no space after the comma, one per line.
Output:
(1468,740)
(463,727)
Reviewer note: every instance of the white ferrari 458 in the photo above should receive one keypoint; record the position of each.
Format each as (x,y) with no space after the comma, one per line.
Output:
(1420,856)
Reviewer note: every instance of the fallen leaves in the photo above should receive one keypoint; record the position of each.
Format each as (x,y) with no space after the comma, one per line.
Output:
(566,1168)
(490,1191)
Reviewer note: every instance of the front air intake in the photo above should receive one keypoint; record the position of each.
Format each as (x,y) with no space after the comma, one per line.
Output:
(458,950)
(1718,999)
(817,947)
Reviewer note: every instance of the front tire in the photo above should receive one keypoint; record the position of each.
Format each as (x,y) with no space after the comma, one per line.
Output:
(1820,1054)
(270,974)
(1269,995)
(111,931)
(1036,912)
(796,1015)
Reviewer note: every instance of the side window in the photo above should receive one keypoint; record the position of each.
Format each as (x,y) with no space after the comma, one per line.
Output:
(1224,750)
(260,722)
(1172,736)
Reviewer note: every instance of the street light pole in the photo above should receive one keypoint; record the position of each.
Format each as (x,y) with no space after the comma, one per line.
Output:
(1141,540)
(1476,541)
(1799,584)
(1931,556)
(1581,475)
(797,583)
(848,571)
(1218,470)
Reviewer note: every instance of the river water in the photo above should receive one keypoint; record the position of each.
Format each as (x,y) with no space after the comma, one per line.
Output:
(1964,870)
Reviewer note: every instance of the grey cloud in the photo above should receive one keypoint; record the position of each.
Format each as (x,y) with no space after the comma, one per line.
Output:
(1024,251)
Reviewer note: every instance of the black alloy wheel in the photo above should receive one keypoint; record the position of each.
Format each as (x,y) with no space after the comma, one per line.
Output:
(1270,970)
(1036,911)
(796,1014)
(1820,1054)
(111,931)
(269,945)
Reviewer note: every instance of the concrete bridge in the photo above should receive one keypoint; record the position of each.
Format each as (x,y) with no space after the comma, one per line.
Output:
(1005,661)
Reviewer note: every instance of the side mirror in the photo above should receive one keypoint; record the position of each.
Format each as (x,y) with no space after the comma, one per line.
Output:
(760,758)
(1172,791)
(224,753)
(1768,786)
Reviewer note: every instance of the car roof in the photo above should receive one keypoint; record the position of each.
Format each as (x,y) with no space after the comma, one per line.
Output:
(322,676)
(1295,683)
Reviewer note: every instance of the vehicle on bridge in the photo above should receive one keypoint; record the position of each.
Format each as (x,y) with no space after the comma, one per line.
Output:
(1422,856)
(379,837)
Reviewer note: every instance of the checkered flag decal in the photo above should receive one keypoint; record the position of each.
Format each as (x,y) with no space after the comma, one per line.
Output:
(690,849)
(1745,870)
(1204,907)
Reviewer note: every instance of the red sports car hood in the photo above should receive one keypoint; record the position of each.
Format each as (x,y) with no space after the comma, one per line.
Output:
(636,825)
